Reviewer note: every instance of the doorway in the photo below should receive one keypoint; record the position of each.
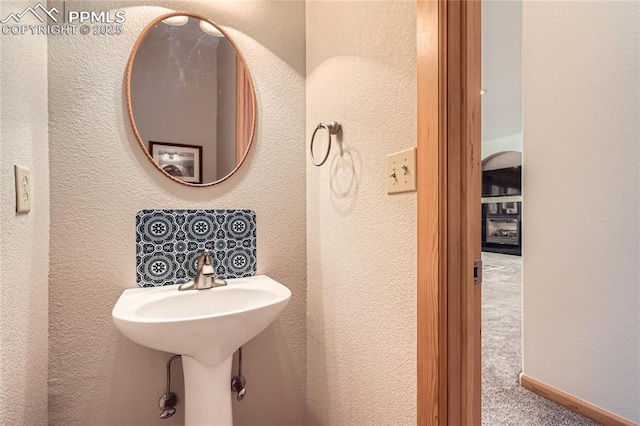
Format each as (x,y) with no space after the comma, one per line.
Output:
(501,221)
(450,226)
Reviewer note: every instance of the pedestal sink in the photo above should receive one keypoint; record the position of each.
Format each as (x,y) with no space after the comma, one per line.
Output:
(206,327)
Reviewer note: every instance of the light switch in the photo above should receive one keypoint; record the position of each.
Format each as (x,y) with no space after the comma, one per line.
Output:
(401,171)
(23,189)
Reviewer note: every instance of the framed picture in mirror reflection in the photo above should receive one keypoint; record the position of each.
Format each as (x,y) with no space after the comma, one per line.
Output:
(184,162)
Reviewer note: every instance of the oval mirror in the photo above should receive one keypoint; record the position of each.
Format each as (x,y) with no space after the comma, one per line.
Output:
(190,99)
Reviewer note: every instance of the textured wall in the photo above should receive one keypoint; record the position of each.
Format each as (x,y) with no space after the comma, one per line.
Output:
(24,252)
(100,179)
(5,198)
(581,182)
(361,242)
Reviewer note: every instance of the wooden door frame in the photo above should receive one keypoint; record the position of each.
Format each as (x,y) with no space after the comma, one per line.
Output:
(449,176)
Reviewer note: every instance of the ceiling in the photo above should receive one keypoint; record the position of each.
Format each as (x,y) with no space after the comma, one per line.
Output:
(501,68)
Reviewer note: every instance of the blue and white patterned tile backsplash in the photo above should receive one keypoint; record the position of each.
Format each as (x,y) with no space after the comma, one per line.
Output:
(168,243)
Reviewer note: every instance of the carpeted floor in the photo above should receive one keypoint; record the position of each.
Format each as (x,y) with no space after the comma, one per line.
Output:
(504,401)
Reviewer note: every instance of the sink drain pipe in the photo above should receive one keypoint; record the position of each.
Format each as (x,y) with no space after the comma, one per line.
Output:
(168,401)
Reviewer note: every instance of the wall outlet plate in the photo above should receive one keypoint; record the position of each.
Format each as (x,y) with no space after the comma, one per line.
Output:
(23,189)
(401,171)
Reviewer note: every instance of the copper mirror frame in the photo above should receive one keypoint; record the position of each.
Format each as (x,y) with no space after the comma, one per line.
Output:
(249,80)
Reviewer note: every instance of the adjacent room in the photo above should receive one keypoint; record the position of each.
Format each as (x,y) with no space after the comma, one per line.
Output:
(509,239)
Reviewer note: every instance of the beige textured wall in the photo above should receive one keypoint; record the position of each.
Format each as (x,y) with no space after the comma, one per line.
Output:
(361,242)
(581,182)
(24,252)
(100,179)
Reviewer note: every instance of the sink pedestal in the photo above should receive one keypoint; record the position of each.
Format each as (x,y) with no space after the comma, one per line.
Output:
(204,325)
(207,393)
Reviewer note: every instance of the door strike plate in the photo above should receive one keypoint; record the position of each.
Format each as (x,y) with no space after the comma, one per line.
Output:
(477,272)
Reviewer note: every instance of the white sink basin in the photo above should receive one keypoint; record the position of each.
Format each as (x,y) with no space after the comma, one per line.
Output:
(206,327)
(193,305)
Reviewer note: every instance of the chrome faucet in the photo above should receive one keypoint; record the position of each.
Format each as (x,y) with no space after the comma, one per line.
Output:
(205,277)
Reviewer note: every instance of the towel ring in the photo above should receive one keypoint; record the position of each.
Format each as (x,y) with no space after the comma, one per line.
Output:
(332,128)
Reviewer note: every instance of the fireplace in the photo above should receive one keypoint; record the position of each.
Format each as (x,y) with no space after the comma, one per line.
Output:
(502,203)
(502,227)
(503,230)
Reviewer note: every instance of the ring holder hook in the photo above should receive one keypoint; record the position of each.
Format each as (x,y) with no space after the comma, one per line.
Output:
(332,128)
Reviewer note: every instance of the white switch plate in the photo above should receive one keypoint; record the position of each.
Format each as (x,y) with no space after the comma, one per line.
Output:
(23,189)
(401,171)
